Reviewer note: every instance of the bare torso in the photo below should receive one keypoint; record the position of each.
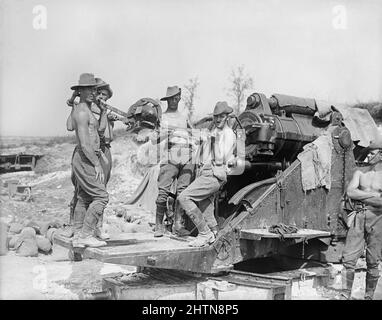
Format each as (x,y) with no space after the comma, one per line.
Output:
(367,187)
(371,181)
(92,125)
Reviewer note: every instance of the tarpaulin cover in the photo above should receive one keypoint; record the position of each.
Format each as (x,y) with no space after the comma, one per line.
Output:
(285,100)
(316,162)
(361,125)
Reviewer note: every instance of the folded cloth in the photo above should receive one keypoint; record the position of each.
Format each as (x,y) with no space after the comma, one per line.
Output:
(282,229)
(316,162)
(147,191)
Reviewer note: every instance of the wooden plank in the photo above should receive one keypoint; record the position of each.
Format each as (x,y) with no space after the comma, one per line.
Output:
(258,234)
(121,239)
(164,252)
(302,273)
(160,246)
(133,244)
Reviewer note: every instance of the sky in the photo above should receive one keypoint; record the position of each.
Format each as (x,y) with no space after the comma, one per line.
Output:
(328,50)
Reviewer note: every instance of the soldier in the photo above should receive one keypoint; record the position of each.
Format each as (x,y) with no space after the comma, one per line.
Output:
(88,166)
(365,190)
(178,164)
(216,156)
(106,124)
(105,131)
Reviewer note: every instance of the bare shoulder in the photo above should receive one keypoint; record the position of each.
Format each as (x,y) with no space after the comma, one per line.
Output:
(81,112)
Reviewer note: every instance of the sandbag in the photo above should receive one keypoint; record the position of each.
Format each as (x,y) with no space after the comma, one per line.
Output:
(28,248)
(13,241)
(43,244)
(15,227)
(28,232)
(35,225)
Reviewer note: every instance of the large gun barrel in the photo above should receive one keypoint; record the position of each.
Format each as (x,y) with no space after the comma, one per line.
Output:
(114,109)
(277,128)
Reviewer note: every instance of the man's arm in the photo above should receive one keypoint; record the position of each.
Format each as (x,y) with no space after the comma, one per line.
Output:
(355,193)
(375,202)
(102,121)
(69,122)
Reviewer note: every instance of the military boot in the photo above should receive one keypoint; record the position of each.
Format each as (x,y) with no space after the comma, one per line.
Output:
(159,226)
(99,234)
(178,227)
(205,235)
(347,282)
(371,284)
(83,240)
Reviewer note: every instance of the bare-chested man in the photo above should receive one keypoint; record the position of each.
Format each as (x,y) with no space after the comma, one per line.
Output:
(105,131)
(88,166)
(365,189)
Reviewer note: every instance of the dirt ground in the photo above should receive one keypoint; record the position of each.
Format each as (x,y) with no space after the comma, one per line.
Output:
(54,276)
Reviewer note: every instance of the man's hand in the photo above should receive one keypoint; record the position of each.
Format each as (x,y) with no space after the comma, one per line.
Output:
(232,163)
(128,121)
(75,94)
(101,104)
(112,117)
(70,101)
(374,201)
(99,173)
(153,136)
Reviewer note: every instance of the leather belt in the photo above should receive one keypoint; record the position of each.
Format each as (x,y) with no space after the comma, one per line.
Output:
(179,145)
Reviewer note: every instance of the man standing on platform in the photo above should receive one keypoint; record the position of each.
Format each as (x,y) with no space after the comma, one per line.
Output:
(88,166)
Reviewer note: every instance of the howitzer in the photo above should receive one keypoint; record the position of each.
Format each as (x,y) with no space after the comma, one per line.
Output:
(269,192)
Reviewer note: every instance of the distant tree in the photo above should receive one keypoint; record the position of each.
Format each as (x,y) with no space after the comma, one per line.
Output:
(190,95)
(240,84)
(374,108)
